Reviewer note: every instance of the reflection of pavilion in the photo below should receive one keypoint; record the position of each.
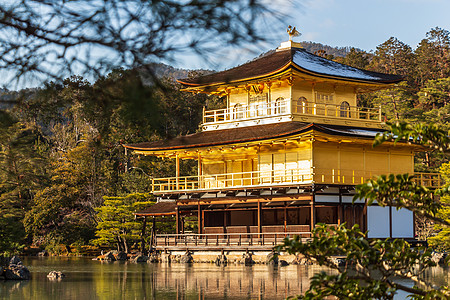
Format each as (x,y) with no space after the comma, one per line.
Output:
(234,281)
(283,155)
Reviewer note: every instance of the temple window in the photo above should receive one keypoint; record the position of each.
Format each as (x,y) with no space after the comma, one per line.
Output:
(345,109)
(324,98)
(258,105)
(302,106)
(238,111)
(280,106)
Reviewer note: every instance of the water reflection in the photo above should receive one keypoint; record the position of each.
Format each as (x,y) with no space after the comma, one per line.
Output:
(86,279)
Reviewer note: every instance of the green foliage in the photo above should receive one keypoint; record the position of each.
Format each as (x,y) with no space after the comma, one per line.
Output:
(117,224)
(64,210)
(400,191)
(371,266)
(441,241)
(21,174)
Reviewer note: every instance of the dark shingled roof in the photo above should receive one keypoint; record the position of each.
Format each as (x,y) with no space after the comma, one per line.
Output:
(249,134)
(164,208)
(299,59)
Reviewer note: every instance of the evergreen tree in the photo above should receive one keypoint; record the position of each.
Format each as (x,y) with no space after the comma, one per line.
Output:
(117,224)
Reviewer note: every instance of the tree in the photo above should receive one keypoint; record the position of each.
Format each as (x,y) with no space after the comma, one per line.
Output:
(433,55)
(117,224)
(91,37)
(373,265)
(435,93)
(441,241)
(22,172)
(393,57)
(357,58)
(63,212)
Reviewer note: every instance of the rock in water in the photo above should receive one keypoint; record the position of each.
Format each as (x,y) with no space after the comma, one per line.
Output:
(140,258)
(109,256)
(16,272)
(186,258)
(272,259)
(283,263)
(15,260)
(121,256)
(55,275)
(154,257)
(42,253)
(247,259)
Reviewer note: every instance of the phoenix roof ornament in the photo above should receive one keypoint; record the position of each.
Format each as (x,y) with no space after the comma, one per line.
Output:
(292,31)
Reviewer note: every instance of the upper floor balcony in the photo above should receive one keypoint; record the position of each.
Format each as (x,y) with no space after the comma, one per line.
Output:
(287,110)
(275,179)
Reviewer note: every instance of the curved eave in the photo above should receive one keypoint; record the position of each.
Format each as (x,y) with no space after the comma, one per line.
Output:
(341,78)
(273,73)
(294,133)
(295,67)
(298,131)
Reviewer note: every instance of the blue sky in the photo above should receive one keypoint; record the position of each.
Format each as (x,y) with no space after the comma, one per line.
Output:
(363,24)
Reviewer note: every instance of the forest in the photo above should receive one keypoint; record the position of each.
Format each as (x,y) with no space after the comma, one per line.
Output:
(66,182)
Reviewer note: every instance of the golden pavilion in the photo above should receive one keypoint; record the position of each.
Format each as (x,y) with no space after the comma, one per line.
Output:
(284,155)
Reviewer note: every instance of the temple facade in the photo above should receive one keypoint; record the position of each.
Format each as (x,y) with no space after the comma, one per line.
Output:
(284,155)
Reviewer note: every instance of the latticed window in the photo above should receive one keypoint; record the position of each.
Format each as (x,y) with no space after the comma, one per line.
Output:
(345,109)
(280,106)
(302,106)
(258,105)
(324,98)
(238,111)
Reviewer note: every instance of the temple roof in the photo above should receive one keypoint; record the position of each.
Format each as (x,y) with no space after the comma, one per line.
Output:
(296,58)
(250,134)
(163,208)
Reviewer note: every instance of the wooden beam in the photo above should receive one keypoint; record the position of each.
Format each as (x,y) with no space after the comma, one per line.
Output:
(259,218)
(239,200)
(177,221)
(313,213)
(144,225)
(199,218)
(177,170)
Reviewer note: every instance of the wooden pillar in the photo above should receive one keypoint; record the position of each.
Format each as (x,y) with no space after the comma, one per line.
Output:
(340,209)
(177,221)
(153,234)
(313,211)
(177,170)
(199,170)
(144,224)
(182,225)
(259,218)
(225,219)
(199,217)
(285,217)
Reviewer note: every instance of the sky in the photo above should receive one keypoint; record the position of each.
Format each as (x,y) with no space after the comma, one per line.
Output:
(362,24)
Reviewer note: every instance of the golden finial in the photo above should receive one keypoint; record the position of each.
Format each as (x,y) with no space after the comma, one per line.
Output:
(292,32)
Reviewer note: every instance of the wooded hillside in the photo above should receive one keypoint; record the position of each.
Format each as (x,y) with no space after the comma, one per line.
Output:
(61,145)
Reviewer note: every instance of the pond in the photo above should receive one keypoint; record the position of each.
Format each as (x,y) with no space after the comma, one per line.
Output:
(87,279)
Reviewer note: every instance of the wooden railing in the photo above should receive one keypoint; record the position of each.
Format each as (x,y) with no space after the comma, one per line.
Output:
(337,111)
(227,180)
(224,239)
(286,106)
(277,177)
(241,112)
(430,180)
